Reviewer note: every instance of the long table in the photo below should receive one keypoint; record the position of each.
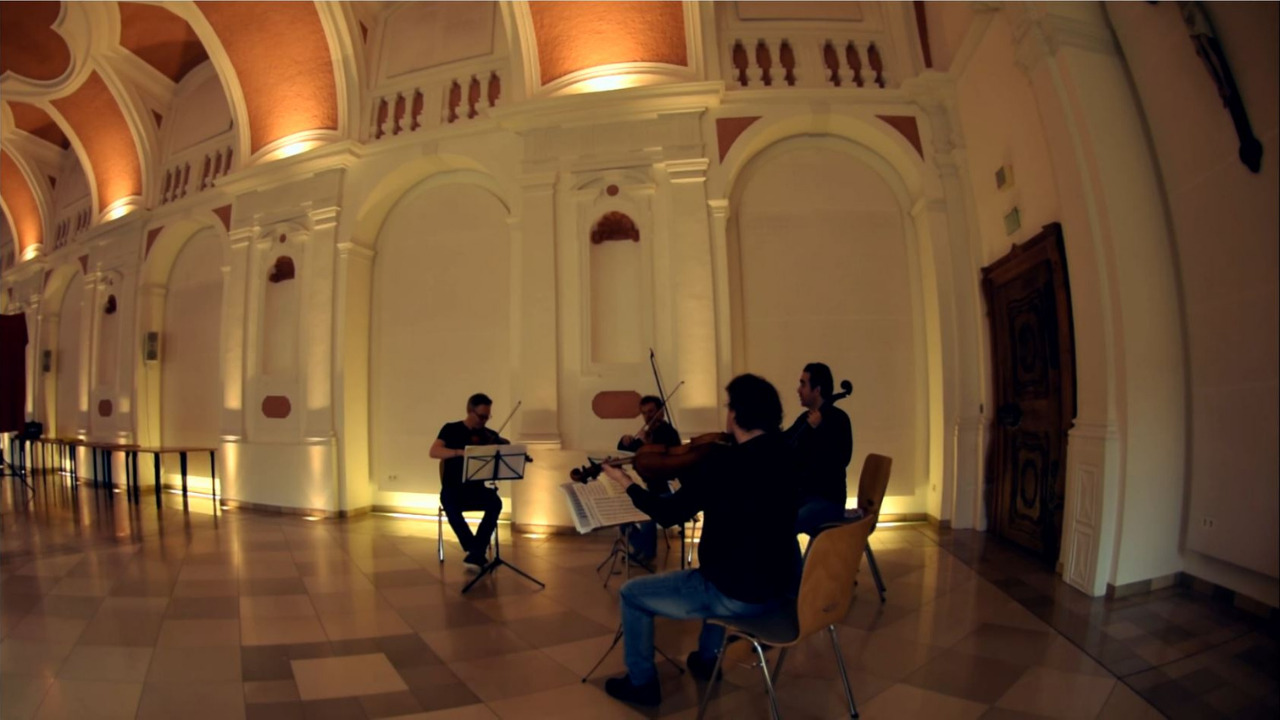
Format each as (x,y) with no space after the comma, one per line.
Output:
(131,460)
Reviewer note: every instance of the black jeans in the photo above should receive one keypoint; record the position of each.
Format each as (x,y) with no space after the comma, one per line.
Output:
(471,496)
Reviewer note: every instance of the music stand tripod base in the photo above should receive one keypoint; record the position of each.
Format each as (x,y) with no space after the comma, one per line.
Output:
(491,463)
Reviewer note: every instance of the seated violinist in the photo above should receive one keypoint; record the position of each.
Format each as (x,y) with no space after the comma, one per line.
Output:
(656,431)
(457,496)
(747,557)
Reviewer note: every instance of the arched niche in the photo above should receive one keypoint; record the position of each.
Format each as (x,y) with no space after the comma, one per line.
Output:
(190,402)
(823,268)
(68,397)
(440,325)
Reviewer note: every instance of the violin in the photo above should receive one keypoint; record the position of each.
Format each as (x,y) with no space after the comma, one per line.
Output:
(499,440)
(659,463)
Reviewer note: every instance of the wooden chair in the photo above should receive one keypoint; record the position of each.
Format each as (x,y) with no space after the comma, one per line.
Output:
(826,593)
(872,485)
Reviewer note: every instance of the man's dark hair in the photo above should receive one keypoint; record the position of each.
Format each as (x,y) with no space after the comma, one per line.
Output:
(651,400)
(477,400)
(820,376)
(754,402)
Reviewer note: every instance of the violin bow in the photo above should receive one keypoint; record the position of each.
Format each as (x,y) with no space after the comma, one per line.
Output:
(657,379)
(513,414)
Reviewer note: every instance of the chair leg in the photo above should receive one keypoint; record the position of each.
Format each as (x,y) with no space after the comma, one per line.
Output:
(875,571)
(844,674)
(440,533)
(691,538)
(777,667)
(715,676)
(768,682)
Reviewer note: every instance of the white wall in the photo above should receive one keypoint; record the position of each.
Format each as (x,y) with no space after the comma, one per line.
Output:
(440,329)
(1225,221)
(825,277)
(190,392)
(67,359)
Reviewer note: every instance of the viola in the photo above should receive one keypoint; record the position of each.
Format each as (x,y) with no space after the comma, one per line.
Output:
(659,463)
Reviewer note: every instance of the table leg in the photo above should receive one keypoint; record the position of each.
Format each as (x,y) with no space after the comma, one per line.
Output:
(156,457)
(213,477)
(108,476)
(137,479)
(182,462)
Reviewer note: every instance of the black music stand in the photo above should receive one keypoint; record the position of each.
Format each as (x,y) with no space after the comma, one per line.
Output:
(489,464)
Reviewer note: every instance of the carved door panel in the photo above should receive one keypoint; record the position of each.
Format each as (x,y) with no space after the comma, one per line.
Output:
(1033,360)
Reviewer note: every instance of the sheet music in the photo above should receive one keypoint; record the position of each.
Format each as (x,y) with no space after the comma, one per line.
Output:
(600,504)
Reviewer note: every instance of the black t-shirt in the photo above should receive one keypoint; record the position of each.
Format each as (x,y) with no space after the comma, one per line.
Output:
(457,436)
(748,500)
(823,453)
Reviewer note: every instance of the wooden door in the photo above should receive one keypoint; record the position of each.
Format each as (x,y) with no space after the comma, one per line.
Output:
(1033,360)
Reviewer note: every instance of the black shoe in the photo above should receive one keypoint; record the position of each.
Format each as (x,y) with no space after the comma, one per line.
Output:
(700,668)
(620,688)
(475,560)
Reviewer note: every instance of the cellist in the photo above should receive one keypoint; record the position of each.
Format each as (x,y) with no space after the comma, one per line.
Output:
(748,556)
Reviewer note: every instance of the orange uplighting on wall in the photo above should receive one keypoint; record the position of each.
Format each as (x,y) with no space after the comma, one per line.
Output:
(95,116)
(281,58)
(21,204)
(573,36)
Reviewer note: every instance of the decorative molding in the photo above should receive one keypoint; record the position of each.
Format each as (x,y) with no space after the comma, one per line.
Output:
(1039,34)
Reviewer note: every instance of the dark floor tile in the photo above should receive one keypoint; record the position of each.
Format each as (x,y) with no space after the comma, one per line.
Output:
(976,678)
(309,651)
(265,662)
(334,709)
(272,586)
(357,646)
(274,711)
(203,608)
(441,697)
(406,651)
(390,705)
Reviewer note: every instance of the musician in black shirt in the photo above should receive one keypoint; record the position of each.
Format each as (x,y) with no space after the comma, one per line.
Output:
(656,431)
(748,553)
(457,496)
(823,441)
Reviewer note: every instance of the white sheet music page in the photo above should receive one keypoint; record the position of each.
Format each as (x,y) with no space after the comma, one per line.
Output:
(600,504)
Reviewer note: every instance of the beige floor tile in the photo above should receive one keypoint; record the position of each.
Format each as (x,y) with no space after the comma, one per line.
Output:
(192,701)
(513,675)
(345,603)
(366,625)
(26,657)
(505,608)
(445,616)
(579,657)
(473,643)
(466,712)
(45,628)
(349,676)
(104,662)
(95,587)
(89,700)
(905,701)
(281,631)
(199,633)
(207,588)
(575,701)
(1058,694)
(276,606)
(418,596)
(204,664)
(20,695)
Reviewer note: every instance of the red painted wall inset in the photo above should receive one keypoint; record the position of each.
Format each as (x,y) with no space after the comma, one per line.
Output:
(276,407)
(105,408)
(574,36)
(616,404)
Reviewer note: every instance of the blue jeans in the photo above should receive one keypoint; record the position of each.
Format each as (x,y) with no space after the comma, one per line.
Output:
(681,595)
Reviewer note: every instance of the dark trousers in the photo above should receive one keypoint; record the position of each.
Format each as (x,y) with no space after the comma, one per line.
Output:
(471,496)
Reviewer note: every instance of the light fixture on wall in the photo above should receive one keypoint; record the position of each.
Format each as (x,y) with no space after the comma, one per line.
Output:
(110,307)
(150,346)
(46,360)
(1012,221)
(1004,177)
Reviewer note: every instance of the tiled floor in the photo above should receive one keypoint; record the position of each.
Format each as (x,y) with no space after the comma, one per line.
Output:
(113,610)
